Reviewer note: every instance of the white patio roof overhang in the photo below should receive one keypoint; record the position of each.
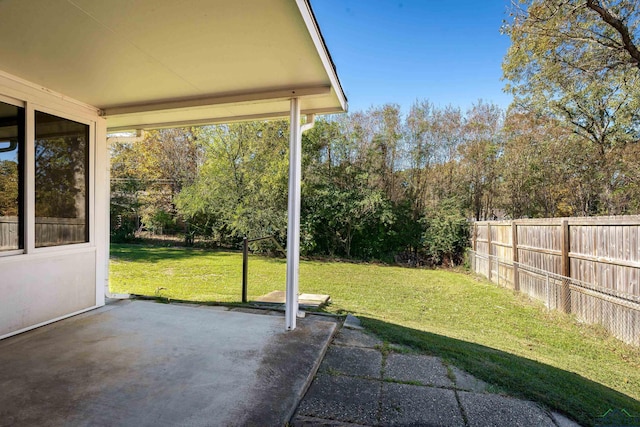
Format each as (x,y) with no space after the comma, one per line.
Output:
(165,63)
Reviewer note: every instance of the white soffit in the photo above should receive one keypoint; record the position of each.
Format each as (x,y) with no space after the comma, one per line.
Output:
(150,63)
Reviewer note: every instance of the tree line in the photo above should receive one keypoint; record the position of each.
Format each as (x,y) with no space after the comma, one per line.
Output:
(376,184)
(392,185)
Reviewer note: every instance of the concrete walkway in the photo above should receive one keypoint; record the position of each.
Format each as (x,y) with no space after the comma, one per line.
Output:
(358,384)
(140,363)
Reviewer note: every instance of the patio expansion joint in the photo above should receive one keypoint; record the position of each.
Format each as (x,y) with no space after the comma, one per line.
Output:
(335,344)
(461,408)
(383,365)
(334,373)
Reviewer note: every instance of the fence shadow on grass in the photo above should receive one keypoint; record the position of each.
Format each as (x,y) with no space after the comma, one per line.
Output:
(567,392)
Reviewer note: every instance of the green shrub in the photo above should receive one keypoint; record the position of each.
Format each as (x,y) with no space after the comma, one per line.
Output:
(446,234)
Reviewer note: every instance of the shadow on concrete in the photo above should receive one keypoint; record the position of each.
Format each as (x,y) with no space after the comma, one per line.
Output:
(584,400)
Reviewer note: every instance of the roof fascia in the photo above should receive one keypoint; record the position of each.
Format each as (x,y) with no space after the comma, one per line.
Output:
(314,31)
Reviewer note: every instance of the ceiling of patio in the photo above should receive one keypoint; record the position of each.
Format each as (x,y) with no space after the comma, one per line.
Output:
(153,63)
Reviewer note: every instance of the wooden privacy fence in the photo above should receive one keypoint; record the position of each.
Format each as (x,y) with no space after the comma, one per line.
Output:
(589,267)
(9,232)
(49,231)
(56,231)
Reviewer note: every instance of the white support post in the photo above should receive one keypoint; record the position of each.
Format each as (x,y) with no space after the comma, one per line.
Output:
(103,246)
(30,181)
(100,211)
(293,224)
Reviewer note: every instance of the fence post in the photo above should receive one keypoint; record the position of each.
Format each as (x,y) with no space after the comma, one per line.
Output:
(565,267)
(474,246)
(548,291)
(514,245)
(475,237)
(473,261)
(489,250)
(245,268)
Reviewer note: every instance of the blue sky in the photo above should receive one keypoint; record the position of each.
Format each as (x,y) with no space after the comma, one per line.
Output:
(446,51)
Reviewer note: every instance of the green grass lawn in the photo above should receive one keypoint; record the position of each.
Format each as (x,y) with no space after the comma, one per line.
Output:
(499,336)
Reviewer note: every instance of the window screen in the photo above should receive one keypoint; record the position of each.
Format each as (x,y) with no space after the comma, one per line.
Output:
(61,180)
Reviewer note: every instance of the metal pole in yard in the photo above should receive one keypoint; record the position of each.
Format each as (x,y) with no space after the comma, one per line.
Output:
(245,268)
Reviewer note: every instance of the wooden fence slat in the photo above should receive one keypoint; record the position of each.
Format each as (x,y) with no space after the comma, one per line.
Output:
(565,265)
(514,255)
(489,251)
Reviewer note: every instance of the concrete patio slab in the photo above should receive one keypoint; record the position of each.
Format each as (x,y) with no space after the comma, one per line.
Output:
(425,370)
(411,405)
(304,300)
(352,322)
(489,410)
(140,363)
(360,362)
(563,421)
(346,399)
(466,381)
(355,338)
(339,396)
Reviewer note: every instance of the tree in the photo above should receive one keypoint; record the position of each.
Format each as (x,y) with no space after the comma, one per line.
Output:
(480,151)
(419,127)
(385,151)
(241,188)
(60,175)
(622,16)
(587,36)
(449,131)
(446,234)
(8,188)
(147,176)
(433,137)
(577,61)
(345,208)
(540,163)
